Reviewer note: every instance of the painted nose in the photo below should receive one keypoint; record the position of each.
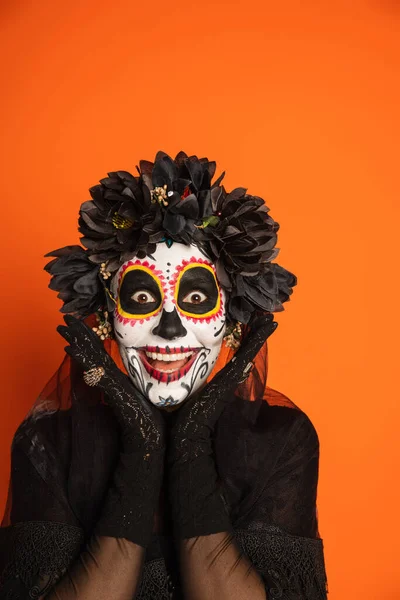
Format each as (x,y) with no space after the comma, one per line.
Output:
(170,326)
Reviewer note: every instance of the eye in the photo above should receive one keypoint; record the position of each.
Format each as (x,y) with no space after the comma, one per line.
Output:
(143,297)
(195,297)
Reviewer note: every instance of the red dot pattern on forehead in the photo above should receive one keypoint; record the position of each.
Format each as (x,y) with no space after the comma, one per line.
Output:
(173,281)
(142,263)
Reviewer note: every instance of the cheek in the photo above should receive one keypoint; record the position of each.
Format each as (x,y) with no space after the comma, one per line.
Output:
(210,335)
(132,332)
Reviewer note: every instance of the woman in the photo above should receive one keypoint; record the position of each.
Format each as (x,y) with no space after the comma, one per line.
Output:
(156,463)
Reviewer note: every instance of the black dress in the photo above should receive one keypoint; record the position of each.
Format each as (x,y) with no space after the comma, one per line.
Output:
(267,455)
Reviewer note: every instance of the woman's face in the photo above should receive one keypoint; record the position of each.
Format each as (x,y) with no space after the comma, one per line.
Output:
(169,321)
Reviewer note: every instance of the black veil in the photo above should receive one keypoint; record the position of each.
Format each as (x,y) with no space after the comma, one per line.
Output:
(63,455)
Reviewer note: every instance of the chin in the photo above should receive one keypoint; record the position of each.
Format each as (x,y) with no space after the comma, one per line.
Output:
(170,408)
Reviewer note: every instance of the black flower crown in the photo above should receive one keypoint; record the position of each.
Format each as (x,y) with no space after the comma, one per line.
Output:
(173,200)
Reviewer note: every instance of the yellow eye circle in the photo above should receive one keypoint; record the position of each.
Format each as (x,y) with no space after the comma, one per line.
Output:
(142,296)
(197,297)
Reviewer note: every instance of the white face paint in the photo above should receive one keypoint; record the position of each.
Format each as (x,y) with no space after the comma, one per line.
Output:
(169,321)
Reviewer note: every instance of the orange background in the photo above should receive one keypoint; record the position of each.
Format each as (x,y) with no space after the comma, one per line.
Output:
(298,101)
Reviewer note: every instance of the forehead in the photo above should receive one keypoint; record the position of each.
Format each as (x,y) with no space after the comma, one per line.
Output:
(168,260)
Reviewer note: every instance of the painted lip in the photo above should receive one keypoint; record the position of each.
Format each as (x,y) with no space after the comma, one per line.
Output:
(163,376)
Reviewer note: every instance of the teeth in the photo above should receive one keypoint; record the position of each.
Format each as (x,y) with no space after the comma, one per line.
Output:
(168,357)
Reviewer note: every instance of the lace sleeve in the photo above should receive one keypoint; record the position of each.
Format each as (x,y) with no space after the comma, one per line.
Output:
(39,553)
(292,567)
(40,536)
(281,534)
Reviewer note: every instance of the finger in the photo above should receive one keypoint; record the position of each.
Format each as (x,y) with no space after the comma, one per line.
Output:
(64,332)
(259,321)
(253,343)
(261,327)
(265,329)
(79,332)
(77,328)
(69,350)
(76,356)
(75,324)
(70,320)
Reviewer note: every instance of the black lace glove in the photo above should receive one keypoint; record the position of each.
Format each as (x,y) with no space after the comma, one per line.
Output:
(132,499)
(197,505)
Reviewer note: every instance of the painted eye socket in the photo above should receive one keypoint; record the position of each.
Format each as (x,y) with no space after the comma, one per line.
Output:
(197,293)
(195,297)
(140,293)
(143,297)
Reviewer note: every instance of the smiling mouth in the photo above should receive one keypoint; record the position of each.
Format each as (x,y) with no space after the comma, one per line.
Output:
(167,364)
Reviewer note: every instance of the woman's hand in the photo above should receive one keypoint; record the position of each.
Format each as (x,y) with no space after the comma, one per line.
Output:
(201,412)
(129,508)
(139,420)
(196,504)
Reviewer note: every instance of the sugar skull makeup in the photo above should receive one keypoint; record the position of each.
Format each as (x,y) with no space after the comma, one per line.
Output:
(169,321)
